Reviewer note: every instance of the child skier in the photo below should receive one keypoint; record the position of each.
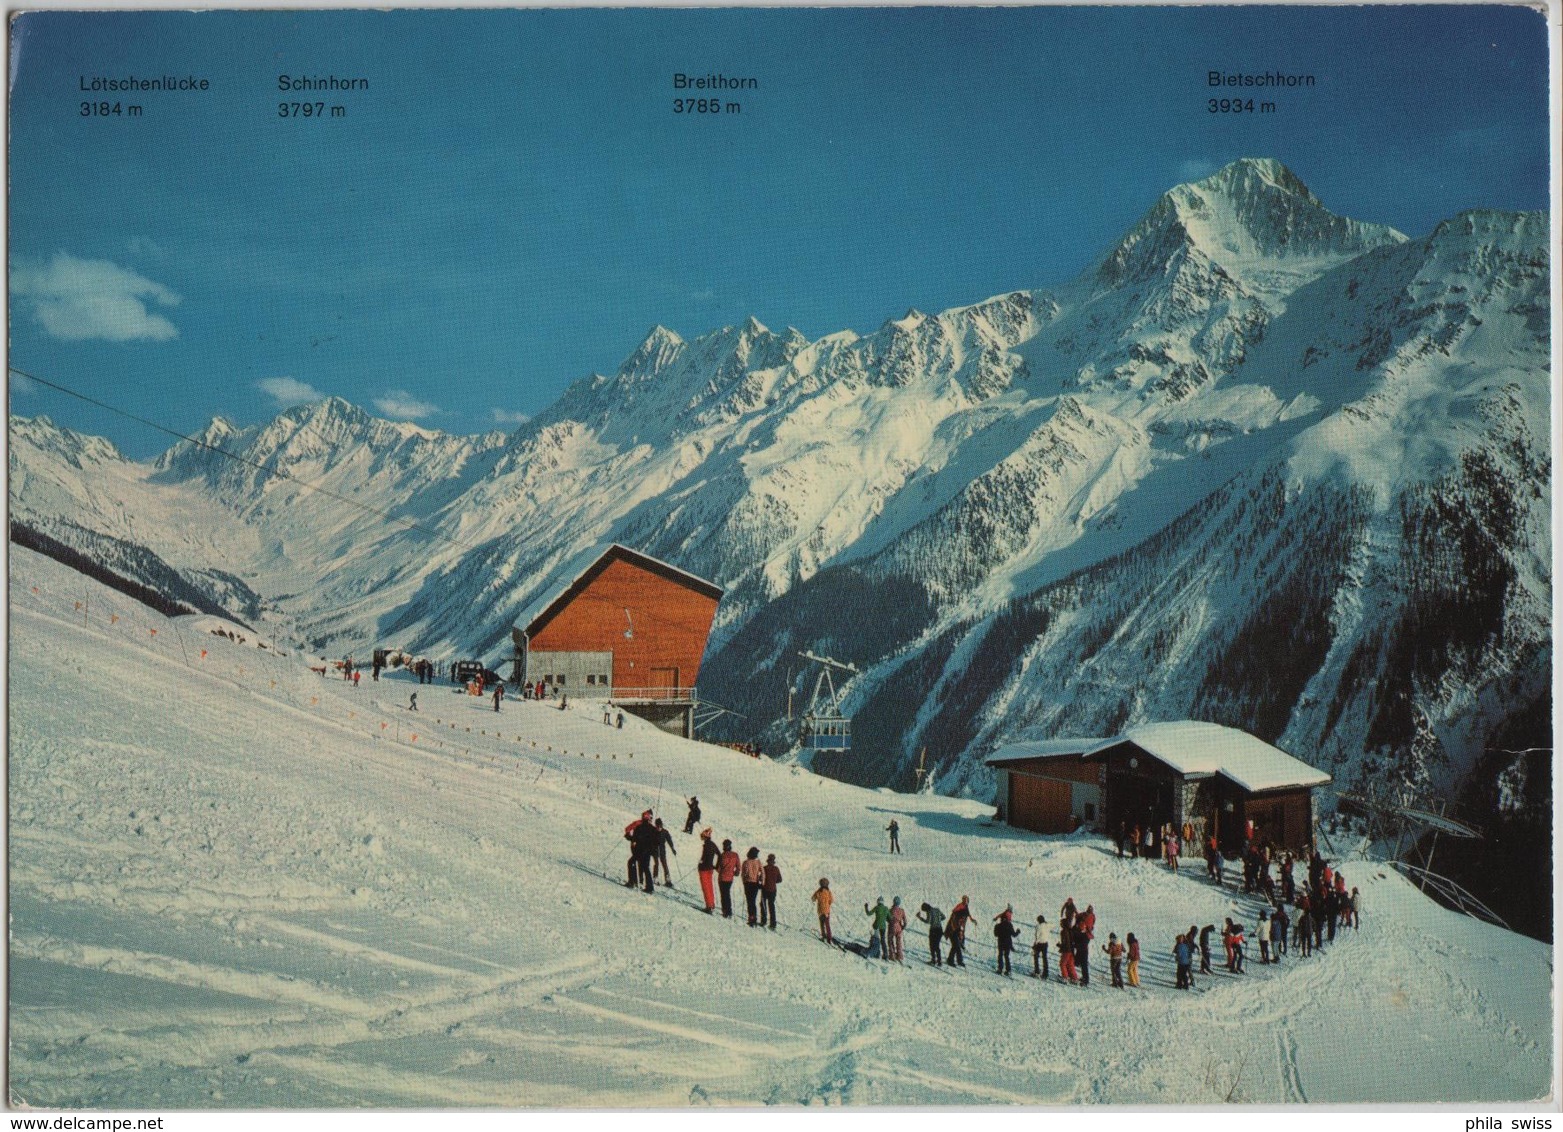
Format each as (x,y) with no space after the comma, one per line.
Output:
(1115,953)
(823,898)
(934,918)
(897,931)
(881,917)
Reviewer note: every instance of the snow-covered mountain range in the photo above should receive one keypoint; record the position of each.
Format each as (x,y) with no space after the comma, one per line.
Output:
(1259,464)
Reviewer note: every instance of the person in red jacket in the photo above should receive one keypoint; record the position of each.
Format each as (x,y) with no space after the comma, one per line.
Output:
(770,877)
(709,857)
(633,866)
(955,932)
(727,869)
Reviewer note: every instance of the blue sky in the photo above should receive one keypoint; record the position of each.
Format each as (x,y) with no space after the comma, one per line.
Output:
(513,203)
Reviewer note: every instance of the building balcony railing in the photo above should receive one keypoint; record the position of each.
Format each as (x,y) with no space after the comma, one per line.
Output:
(663,695)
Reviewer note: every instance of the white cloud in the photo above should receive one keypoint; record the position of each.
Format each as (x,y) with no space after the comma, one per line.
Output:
(509,417)
(402,405)
(80,299)
(288,391)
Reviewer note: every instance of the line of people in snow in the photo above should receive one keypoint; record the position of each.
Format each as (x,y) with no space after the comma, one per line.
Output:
(1323,908)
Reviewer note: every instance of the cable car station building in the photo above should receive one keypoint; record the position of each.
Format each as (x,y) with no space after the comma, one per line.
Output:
(630,629)
(1217,779)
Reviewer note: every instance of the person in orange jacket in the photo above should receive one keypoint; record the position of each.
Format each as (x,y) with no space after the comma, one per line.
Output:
(823,898)
(1115,953)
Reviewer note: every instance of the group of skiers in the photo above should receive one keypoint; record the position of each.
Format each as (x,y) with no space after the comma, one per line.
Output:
(1323,906)
(649,842)
(718,868)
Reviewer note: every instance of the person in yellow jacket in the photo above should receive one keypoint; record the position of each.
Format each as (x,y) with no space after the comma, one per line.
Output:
(823,898)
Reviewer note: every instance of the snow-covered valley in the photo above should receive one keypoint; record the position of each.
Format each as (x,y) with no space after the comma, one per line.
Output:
(236,883)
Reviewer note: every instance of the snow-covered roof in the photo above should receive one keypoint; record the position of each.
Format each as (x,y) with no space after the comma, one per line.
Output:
(1208,748)
(1042,749)
(1190,748)
(542,610)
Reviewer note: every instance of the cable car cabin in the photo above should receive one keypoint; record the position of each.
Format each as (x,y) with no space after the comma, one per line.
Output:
(826,733)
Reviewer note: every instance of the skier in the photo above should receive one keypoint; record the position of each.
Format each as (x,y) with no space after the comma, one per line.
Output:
(1119,839)
(413,703)
(1083,955)
(753,872)
(727,869)
(1279,925)
(1039,941)
(499,694)
(709,856)
(1005,931)
(1262,932)
(894,829)
(1353,906)
(621,720)
(1066,950)
(1204,948)
(955,932)
(770,877)
(881,924)
(823,899)
(934,918)
(1134,960)
(645,840)
(664,843)
(1183,954)
(356,677)
(1087,922)
(694,815)
(897,930)
(1115,953)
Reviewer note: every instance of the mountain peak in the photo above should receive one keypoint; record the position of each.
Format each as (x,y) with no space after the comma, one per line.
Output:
(1250,218)
(660,348)
(1249,175)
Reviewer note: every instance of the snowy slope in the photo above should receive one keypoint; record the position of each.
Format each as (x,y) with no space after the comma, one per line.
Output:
(236,883)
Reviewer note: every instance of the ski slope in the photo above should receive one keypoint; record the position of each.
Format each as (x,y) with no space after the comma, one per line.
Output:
(235,883)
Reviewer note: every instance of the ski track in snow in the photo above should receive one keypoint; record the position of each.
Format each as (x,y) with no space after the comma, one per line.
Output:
(236,884)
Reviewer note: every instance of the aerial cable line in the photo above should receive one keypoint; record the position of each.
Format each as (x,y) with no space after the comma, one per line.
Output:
(279,473)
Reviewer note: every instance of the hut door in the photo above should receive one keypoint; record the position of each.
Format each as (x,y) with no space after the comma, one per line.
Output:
(664,678)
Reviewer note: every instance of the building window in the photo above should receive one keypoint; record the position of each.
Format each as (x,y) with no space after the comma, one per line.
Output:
(591,679)
(1090,811)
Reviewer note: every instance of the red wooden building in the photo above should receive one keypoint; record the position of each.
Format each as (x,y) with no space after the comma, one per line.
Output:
(630,629)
